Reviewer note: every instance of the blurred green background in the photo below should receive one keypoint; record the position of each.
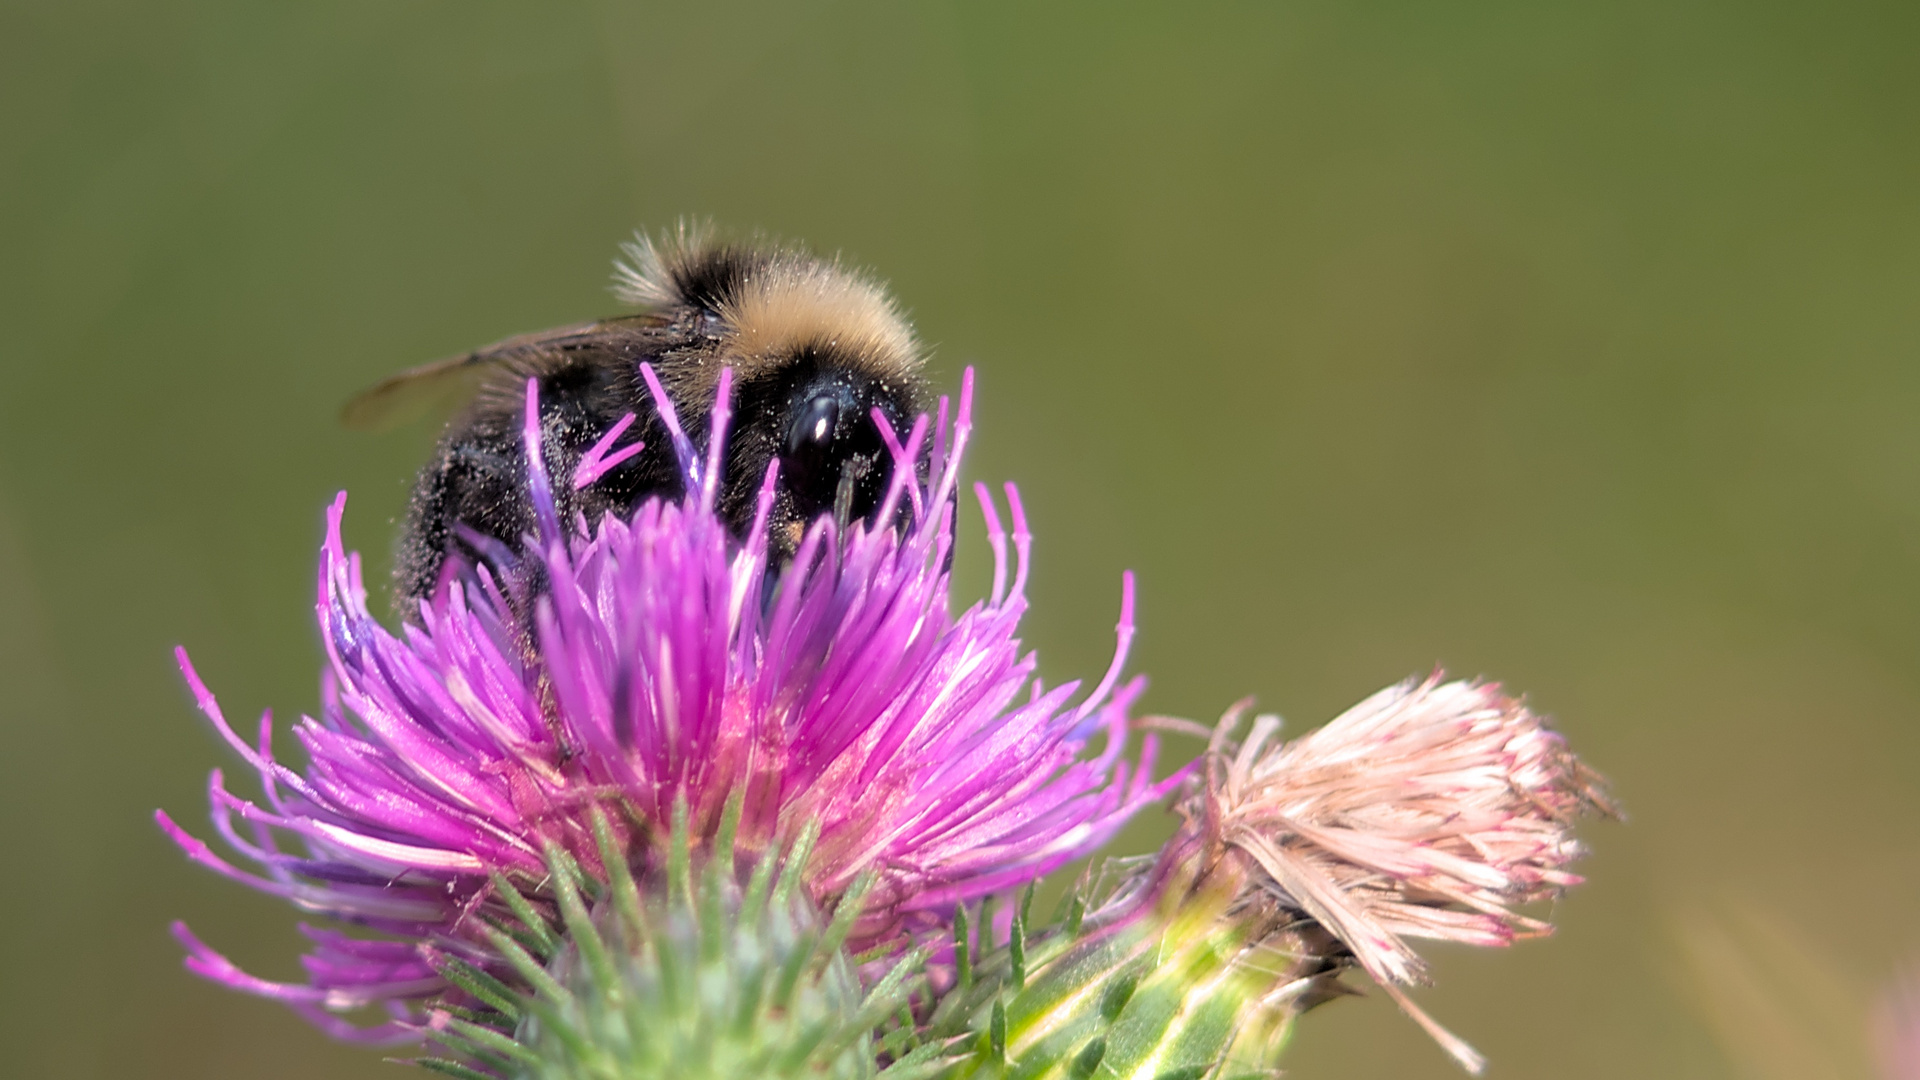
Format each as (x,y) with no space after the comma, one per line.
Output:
(1572,345)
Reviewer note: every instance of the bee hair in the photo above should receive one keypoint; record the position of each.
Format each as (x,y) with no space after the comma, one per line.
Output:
(770,303)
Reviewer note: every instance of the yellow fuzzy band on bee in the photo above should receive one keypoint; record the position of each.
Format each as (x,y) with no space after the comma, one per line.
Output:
(772,303)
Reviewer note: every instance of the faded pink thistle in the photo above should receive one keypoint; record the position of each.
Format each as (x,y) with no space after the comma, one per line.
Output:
(1428,810)
(1896,1028)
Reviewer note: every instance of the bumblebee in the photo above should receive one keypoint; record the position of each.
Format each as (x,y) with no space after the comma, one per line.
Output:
(815,348)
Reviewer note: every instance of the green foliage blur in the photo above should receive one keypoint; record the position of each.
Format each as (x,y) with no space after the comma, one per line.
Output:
(1570,344)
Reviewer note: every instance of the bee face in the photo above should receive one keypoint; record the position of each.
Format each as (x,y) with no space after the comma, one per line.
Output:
(816,352)
(815,417)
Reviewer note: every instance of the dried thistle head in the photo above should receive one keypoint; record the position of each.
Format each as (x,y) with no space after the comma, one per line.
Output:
(1896,1028)
(1430,810)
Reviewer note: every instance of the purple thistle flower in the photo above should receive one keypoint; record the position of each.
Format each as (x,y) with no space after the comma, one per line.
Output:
(647,670)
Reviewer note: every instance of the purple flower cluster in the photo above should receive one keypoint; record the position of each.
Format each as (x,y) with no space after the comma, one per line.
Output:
(646,668)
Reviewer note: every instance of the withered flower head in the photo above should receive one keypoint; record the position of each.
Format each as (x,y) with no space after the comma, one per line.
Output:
(1430,810)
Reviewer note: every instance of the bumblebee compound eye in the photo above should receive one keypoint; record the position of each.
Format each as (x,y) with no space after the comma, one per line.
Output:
(831,455)
(810,437)
(808,461)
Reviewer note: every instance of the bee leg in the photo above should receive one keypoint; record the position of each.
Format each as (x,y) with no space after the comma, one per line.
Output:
(851,472)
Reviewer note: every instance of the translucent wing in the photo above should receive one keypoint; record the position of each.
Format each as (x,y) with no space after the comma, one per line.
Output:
(446,383)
